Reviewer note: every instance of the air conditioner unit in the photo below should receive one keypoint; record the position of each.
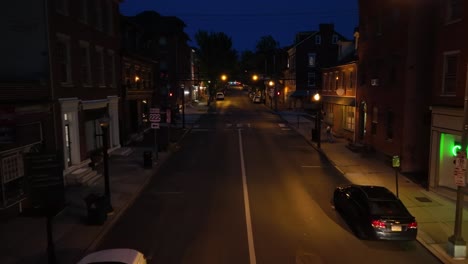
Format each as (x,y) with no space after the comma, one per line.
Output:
(374,82)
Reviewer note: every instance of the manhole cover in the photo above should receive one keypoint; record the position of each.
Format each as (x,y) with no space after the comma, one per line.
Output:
(423,199)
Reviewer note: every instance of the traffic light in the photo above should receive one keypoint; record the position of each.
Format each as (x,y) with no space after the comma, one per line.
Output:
(278,93)
(170,94)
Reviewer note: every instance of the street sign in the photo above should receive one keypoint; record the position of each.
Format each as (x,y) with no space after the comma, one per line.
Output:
(154,118)
(396,161)
(460,169)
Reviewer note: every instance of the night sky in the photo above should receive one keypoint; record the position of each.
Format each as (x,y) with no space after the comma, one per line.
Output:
(247,21)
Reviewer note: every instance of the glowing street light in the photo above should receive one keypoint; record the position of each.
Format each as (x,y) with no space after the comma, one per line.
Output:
(318,118)
(224,77)
(255,77)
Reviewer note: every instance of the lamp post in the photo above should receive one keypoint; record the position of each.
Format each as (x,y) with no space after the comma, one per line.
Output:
(318,118)
(104,123)
(271,84)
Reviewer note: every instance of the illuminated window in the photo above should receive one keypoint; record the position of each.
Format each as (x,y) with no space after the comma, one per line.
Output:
(312,59)
(349,117)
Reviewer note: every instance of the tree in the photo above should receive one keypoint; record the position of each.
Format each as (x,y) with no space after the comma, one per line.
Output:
(266,50)
(216,57)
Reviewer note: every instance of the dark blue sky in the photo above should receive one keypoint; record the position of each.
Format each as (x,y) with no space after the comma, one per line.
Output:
(247,21)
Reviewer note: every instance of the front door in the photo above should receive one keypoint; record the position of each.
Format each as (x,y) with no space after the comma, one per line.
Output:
(67,145)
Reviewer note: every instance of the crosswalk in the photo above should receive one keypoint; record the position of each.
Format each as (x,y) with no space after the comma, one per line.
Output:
(198,127)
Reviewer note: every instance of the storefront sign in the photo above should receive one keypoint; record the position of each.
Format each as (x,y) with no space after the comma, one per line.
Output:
(460,169)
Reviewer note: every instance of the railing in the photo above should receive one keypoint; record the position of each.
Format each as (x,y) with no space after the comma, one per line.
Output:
(12,175)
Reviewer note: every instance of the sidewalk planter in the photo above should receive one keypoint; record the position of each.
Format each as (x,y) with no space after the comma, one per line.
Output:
(96,205)
(147,159)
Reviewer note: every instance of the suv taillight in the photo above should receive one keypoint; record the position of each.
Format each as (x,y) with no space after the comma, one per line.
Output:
(413,225)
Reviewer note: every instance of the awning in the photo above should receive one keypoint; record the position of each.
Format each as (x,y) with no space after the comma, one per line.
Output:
(302,93)
(340,100)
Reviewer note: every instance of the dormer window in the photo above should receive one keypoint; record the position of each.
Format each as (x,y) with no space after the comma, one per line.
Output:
(334,39)
(318,39)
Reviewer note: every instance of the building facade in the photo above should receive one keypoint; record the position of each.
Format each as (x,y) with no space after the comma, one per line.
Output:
(59,70)
(448,90)
(311,52)
(339,92)
(395,60)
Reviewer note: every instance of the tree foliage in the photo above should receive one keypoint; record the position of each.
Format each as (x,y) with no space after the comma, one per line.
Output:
(216,56)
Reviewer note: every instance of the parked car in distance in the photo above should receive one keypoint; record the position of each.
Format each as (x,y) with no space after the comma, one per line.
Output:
(219,96)
(257,99)
(118,255)
(374,212)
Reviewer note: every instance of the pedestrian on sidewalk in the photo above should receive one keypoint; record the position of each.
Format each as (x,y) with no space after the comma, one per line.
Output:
(330,135)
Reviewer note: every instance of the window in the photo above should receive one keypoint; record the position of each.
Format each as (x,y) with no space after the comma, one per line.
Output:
(454,9)
(334,39)
(162,41)
(83,11)
(312,59)
(311,79)
(332,81)
(390,119)
(349,117)
(100,71)
(343,80)
(375,118)
(337,80)
(450,73)
(61,6)
(351,80)
(110,69)
(63,59)
(325,81)
(110,18)
(99,15)
(318,39)
(328,108)
(85,63)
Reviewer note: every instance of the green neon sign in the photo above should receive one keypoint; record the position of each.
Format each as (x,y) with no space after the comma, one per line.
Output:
(456,148)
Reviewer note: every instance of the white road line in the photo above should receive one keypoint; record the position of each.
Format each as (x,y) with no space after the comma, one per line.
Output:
(248,219)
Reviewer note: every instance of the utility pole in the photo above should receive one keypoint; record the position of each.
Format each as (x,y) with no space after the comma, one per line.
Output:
(456,243)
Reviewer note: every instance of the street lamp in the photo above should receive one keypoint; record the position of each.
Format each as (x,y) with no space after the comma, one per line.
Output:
(223,77)
(104,124)
(318,118)
(271,84)
(255,77)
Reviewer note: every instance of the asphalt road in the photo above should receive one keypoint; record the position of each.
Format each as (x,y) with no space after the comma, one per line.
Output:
(245,188)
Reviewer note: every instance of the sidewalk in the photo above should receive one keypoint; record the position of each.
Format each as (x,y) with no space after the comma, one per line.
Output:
(23,239)
(434,213)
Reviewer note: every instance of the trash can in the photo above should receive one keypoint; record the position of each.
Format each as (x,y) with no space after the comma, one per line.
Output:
(147,159)
(96,205)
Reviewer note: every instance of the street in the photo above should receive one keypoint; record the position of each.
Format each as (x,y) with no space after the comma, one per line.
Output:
(245,188)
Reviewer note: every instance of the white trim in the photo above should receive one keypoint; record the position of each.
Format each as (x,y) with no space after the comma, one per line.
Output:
(94,104)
